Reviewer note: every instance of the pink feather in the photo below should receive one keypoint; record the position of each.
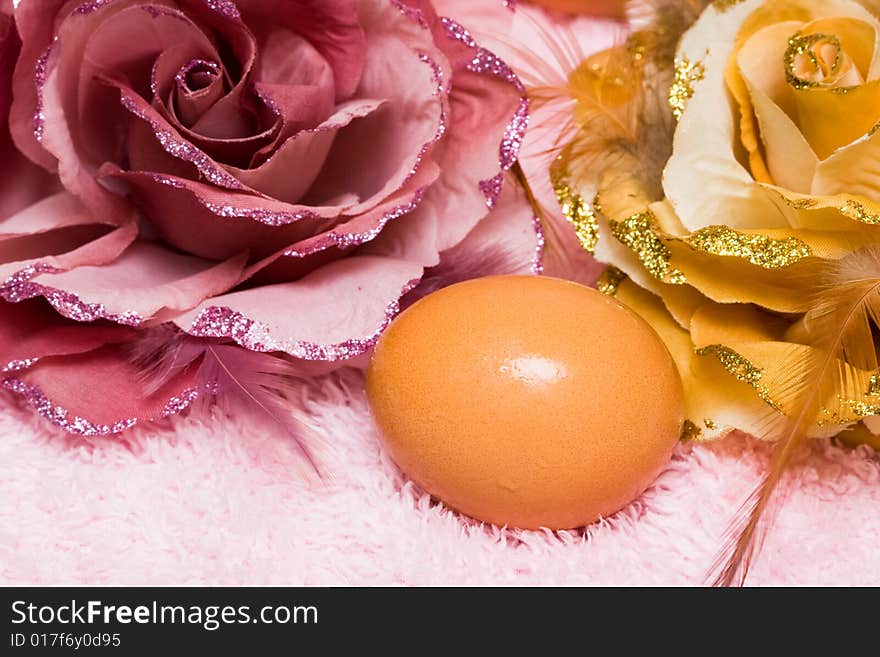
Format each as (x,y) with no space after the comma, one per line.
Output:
(239,380)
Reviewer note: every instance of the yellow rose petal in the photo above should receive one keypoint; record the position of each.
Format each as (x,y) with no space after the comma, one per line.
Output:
(710,392)
(790,159)
(851,171)
(717,323)
(831,119)
(703,179)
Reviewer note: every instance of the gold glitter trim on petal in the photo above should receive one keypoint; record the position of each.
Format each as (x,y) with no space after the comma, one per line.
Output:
(859,408)
(804,45)
(682,89)
(710,424)
(873,385)
(741,369)
(637,233)
(831,417)
(575,210)
(868,406)
(851,209)
(609,279)
(690,431)
(863,408)
(857,211)
(759,250)
(724,5)
(800,203)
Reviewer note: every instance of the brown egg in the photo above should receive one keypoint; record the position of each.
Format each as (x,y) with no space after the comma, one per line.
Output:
(526,401)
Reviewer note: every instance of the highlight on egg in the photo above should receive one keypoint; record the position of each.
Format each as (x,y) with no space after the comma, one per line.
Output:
(526,401)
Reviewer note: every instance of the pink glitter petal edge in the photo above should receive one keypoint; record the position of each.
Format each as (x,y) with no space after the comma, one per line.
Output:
(485,62)
(18,364)
(540,241)
(348,240)
(262,215)
(182,149)
(283,218)
(223,322)
(41,74)
(73,424)
(20,287)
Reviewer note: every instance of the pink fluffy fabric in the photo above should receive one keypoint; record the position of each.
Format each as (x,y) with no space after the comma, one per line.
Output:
(220,502)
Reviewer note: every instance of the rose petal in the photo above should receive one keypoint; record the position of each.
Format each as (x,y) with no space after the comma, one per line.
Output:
(190,103)
(488,118)
(364,290)
(703,179)
(790,159)
(201,219)
(151,36)
(287,61)
(490,18)
(142,139)
(74,175)
(481,107)
(295,106)
(142,281)
(51,213)
(852,170)
(331,26)
(374,156)
(297,259)
(469,55)
(470,60)
(59,233)
(291,169)
(98,393)
(53,102)
(171,141)
(23,182)
(225,118)
(512,230)
(31,330)
(35,22)
(820,110)
(58,225)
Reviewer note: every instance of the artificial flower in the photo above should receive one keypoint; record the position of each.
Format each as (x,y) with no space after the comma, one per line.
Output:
(275,175)
(724,175)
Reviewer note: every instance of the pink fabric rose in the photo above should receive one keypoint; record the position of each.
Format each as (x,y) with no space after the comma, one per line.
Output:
(274,173)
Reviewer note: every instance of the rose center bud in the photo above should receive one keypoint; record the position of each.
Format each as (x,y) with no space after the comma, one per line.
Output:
(197,75)
(818,60)
(200,84)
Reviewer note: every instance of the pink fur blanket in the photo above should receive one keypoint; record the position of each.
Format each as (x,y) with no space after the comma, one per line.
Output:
(220,503)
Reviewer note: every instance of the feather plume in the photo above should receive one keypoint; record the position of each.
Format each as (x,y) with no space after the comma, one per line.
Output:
(238,379)
(840,328)
(610,111)
(605,117)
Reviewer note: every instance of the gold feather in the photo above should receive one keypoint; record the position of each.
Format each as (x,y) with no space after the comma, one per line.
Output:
(610,118)
(840,328)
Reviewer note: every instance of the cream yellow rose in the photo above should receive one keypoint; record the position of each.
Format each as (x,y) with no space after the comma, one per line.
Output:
(774,174)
